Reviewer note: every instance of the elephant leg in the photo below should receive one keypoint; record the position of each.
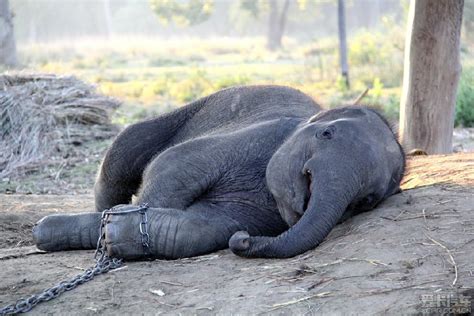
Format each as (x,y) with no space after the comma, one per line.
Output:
(173,181)
(172,233)
(179,176)
(67,231)
(121,171)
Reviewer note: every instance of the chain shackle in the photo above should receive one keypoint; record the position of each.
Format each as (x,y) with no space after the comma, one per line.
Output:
(103,264)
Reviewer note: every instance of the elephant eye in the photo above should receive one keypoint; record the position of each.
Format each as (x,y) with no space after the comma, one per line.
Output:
(326,133)
(368,199)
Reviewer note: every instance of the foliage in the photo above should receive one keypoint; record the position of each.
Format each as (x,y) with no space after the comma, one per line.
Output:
(237,80)
(154,76)
(192,88)
(387,101)
(377,88)
(257,7)
(364,49)
(189,12)
(341,84)
(250,6)
(468,19)
(371,55)
(465,99)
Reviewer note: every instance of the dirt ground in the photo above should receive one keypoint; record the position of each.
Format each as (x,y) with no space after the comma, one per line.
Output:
(403,256)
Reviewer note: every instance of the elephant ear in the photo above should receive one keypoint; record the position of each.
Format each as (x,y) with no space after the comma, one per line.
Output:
(397,151)
(395,148)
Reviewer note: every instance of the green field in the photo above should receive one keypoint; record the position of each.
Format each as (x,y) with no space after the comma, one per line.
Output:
(154,75)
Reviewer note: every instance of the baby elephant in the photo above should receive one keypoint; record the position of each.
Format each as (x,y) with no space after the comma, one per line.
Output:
(260,169)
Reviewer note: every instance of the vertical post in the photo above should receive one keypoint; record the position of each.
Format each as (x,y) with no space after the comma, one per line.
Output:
(107,17)
(431,74)
(341,19)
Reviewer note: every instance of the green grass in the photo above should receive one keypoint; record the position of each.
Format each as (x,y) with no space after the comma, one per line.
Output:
(153,76)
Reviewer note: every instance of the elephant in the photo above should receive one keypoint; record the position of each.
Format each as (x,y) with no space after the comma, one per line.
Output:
(262,170)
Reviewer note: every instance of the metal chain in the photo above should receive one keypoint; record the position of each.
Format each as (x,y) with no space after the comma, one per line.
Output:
(144,232)
(103,265)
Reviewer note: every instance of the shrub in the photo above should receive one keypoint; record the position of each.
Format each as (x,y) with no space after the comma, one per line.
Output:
(465,99)
(164,61)
(392,108)
(364,49)
(191,88)
(229,81)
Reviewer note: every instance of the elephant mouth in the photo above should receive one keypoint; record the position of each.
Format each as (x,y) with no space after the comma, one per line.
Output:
(294,212)
(291,217)
(309,181)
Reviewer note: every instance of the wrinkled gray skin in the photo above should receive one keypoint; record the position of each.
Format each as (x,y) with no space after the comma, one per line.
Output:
(252,168)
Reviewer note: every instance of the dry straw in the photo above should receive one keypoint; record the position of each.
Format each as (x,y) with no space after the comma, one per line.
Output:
(42,116)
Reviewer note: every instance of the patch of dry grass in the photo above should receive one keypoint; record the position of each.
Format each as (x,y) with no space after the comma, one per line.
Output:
(43,117)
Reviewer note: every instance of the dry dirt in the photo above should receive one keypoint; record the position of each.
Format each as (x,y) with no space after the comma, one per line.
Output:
(419,242)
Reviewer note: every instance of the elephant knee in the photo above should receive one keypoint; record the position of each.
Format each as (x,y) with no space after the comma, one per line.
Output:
(108,194)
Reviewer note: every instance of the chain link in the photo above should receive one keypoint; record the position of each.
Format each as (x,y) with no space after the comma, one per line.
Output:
(144,232)
(103,264)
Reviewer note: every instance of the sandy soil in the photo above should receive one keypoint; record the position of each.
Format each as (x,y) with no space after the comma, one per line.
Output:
(419,242)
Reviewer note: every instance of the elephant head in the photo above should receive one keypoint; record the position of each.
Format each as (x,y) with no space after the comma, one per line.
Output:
(346,158)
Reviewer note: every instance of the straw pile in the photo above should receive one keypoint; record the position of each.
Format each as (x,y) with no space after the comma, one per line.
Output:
(43,116)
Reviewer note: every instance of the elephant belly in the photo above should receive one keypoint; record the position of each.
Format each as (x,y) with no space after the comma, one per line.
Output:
(259,214)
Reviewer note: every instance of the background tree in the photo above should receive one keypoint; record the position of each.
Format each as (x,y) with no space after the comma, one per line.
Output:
(183,13)
(276,23)
(431,75)
(341,23)
(193,12)
(277,17)
(7,38)
(107,17)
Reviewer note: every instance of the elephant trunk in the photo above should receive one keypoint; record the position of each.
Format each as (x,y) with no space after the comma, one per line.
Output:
(329,199)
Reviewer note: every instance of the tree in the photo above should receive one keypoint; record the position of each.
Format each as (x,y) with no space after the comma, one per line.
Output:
(431,75)
(277,17)
(341,23)
(183,13)
(192,12)
(107,17)
(276,23)
(7,38)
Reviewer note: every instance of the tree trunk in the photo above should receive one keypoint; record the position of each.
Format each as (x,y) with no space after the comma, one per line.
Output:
(107,17)
(341,23)
(32,6)
(276,24)
(7,39)
(431,75)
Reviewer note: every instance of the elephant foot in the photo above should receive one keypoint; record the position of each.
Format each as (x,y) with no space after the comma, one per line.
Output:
(127,235)
(67,232)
